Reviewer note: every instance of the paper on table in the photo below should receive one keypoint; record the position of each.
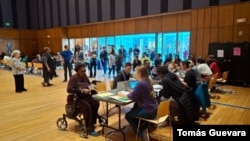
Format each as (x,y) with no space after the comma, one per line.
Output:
(119,98)
(105,94)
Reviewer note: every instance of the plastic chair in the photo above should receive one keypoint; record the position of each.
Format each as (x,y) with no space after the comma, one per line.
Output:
(163,113)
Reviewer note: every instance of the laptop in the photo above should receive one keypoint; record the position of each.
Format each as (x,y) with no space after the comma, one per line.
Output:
(132,84)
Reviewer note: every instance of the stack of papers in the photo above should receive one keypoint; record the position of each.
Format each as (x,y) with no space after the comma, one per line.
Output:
(119,98)
(113,96)
(105,94)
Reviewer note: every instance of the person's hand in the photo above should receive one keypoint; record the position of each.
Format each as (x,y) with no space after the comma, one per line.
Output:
(85,91)
(120,93)
(48,69)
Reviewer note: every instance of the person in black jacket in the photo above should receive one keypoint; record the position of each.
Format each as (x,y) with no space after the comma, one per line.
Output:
(48,66)
(123,75)
(181,102)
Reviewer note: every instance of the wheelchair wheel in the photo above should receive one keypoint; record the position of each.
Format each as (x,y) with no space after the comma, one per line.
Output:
(62,124)
(102,121)
(83,132)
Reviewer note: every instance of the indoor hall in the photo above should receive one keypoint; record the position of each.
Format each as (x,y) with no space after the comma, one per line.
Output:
(166,26)
(32,115)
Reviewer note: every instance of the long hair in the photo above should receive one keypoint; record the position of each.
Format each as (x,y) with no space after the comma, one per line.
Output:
(145,76)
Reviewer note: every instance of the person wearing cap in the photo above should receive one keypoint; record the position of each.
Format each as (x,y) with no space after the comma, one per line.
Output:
(79,83)
(18,69)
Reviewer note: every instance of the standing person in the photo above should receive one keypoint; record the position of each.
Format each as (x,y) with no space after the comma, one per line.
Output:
(136,51)
(136,62)
(79,84)
(18,70)
(86,60)
(93,54)
(130,57)
(145,104)
(104,59)
(112,63)
(78,55)
(118,63)
(48,66)
(122,51)
(67,56)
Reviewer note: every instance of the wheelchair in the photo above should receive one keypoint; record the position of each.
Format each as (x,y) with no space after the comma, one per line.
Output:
(73,112)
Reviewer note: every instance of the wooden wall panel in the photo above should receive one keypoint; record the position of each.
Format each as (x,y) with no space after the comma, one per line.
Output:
(28,47)
(225,34)
(85,31)
(109,29)
(57,32)
(226,15)
(193,41)
(199,46)
(92,30)
(207,17)
(246,33)
(100,29)
(206,40)
(73,32)
(214,35)
(201,18)
(215,17)
(154,24)
(194,18)
(141,25)
(119,28)
(42,34)
(169,23)
(41,43)
(9,33)
(183,21)
(242,11)
(129,27)
(56,45)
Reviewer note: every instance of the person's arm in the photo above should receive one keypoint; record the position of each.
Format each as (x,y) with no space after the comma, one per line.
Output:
(138,91)
(45,61)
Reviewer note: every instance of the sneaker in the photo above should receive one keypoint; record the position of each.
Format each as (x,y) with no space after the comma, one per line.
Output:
(24,89)
(94,133)
(64,80)
(44,84)
(145,135)
(49,84)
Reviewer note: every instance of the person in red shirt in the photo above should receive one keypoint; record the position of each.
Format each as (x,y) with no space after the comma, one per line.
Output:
(214,66)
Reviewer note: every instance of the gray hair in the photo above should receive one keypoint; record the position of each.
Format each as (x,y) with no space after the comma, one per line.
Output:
(15,52)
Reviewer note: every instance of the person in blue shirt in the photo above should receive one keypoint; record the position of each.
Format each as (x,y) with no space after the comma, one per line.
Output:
(67,56)
(145,105)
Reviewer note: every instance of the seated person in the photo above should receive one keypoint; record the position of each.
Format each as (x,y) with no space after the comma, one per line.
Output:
(79,83)
(181,101)
(123,75)
(145,104)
